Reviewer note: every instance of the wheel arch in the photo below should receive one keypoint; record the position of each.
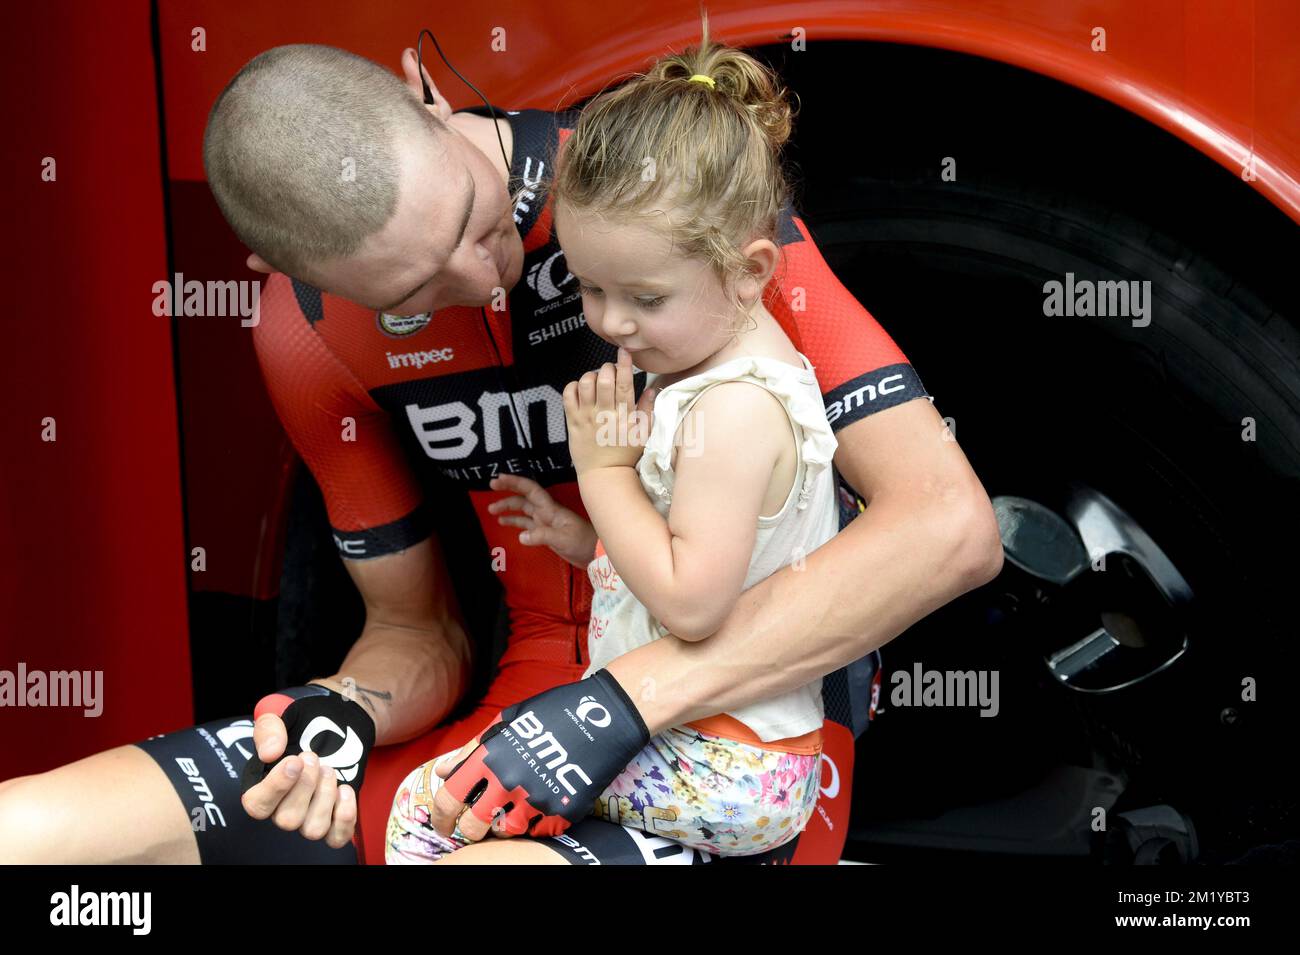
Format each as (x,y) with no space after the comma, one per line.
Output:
(1217,114)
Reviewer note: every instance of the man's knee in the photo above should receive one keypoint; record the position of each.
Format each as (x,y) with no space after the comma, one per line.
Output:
(25,822)
(113,807)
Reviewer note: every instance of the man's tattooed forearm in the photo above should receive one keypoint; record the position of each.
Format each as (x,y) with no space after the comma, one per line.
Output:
(351,691)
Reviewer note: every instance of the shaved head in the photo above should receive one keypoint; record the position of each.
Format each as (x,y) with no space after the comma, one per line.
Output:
(302,154)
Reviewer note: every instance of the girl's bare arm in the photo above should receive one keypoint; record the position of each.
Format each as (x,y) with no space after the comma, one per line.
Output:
(688,570)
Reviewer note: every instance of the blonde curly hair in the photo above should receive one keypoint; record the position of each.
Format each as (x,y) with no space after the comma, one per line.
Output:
(713,153)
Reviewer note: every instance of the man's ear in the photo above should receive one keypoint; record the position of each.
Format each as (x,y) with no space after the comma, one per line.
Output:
(259,264)
(411,70)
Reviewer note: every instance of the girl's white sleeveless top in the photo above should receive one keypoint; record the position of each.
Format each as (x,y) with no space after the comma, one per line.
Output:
(808,518)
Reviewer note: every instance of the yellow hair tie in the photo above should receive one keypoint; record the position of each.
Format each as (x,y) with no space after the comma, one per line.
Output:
(701,78)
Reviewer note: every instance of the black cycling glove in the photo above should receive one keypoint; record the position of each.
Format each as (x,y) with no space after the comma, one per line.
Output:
(544,762)
(336,729)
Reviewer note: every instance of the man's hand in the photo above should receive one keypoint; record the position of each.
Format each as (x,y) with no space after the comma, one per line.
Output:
(608,427)
(575,739)
(322,741)
(544,521)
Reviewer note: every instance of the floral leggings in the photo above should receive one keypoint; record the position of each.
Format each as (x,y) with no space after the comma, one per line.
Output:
(711,793)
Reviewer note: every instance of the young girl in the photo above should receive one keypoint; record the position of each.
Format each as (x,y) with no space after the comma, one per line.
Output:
(666,203)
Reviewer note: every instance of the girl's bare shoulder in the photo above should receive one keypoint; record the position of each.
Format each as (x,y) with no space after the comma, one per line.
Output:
(744,413)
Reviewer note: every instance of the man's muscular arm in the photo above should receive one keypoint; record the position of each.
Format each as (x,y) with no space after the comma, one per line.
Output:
(411,664)
(408,670)
(928,536)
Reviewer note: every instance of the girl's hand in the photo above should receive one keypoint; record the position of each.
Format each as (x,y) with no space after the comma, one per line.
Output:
(544,521)
(605,430)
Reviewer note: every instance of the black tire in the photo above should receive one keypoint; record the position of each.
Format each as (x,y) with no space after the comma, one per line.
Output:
(1151,416)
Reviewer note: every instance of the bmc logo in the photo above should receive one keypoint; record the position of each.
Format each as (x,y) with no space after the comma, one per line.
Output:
(586,705)
(353,547)
(530,728)
(446,432)
(854,399)
(211,810)
(532,179)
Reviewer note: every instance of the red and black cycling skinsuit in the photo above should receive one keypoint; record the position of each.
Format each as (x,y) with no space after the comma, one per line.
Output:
(457,398)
